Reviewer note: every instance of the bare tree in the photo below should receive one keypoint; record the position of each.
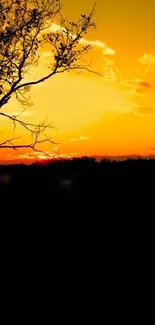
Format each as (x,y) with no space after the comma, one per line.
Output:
(25,28)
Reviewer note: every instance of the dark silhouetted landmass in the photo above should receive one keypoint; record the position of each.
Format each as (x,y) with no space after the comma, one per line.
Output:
(78,235)
(94,183)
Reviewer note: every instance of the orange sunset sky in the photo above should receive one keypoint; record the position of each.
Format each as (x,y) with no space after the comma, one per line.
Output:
(110,115)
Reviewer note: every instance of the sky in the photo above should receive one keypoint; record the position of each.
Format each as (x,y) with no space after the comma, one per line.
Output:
(111,114)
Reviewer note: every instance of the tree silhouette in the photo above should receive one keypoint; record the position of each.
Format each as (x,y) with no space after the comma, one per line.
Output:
(24,31)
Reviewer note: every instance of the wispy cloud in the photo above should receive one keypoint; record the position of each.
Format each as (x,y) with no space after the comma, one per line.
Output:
(131,83)
(92,43)
(54,28)
(24,113)
(144,84)
(137,84)
(82,138)
(147,60)
(17,113)
(108,61)
(108,51)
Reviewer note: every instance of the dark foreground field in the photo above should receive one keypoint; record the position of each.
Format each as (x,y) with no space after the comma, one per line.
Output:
(84,252)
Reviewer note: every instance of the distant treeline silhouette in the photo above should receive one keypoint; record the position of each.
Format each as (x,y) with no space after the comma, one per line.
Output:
(83,176)
(105,184)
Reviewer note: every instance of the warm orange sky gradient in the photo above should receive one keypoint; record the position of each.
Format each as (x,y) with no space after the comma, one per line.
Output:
(111,115)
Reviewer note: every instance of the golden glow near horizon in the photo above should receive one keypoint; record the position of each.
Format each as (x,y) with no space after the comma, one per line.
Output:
(114,114)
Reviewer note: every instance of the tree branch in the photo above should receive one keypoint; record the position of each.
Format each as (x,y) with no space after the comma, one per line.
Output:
(8,144)
(22,23)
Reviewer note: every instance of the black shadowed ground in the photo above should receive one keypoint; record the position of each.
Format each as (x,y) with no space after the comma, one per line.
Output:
(87,241)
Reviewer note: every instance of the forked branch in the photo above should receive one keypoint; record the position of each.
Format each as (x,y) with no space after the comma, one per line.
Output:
(24,31)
